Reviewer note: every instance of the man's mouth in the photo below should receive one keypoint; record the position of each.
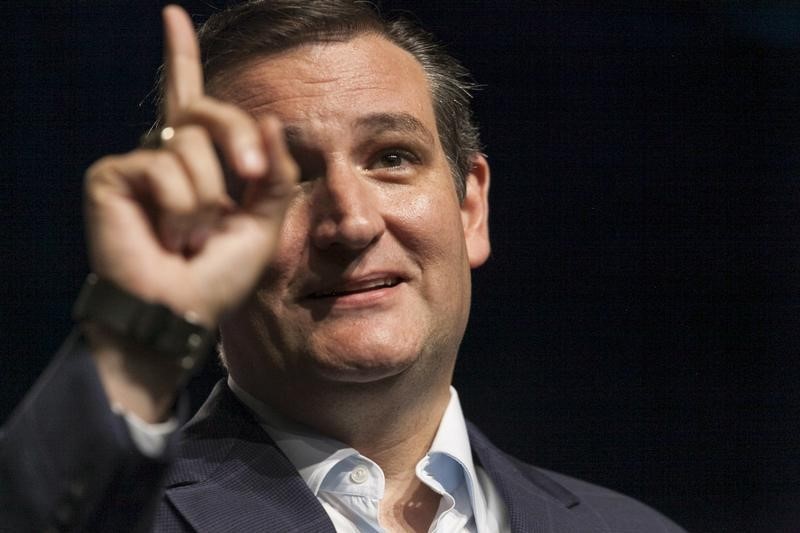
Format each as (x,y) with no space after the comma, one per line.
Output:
(357,287)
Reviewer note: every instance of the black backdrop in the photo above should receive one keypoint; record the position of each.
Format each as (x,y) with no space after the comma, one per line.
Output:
(639,322)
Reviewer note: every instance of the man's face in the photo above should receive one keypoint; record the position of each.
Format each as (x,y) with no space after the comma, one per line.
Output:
(372,273)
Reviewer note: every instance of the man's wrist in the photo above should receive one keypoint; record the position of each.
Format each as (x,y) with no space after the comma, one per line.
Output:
(139,380)
(150,325)
(149,438)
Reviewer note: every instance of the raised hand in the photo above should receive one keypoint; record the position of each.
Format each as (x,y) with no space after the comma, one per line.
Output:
(161,224)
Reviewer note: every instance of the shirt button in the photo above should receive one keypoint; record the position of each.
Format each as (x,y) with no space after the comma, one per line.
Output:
(359,475)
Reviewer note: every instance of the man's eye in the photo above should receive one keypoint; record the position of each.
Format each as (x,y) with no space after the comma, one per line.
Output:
(394,159)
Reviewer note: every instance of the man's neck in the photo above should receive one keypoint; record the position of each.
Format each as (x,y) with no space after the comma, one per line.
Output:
(390,422)
(392,429)
(391,426)
(408,505)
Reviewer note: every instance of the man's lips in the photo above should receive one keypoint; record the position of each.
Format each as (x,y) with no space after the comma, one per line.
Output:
(356,286)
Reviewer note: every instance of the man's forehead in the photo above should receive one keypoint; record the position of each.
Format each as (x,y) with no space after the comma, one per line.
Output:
(362,70)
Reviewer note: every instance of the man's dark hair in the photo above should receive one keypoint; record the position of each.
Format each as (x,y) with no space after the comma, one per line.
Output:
(257,28)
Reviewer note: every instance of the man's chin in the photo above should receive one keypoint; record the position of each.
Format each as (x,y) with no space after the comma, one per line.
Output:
(361,374)
(369,353)
(349,368)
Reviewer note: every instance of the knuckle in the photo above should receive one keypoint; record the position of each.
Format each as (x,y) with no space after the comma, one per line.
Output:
(104,175)
(188,137)
(207,106)
(94,171)
(209,198)
(100,167)
(181,205)
(212,192)
(168,182)
(194,108)
(226,123)
(240,136)
(223,108)
(233,122)
(163,163)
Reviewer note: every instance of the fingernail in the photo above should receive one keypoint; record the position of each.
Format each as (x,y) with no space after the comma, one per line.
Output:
(252,160)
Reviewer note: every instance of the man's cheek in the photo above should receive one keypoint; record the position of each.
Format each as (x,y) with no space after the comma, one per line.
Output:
(292,244)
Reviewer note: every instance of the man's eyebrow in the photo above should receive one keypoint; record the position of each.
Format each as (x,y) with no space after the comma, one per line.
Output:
(374,124)
(377,123)
(293,134)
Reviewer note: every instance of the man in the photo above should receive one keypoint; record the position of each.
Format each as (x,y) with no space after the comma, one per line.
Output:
(336,264)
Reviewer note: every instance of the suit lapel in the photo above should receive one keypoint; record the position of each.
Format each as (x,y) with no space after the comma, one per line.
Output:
(230,476)
(534,501)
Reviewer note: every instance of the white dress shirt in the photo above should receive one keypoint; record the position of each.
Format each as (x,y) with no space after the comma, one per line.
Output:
(350,486)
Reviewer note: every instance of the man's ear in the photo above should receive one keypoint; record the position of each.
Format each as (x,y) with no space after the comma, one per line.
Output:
(475,212)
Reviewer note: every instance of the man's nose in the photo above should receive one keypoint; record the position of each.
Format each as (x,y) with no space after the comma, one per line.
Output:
(346,210)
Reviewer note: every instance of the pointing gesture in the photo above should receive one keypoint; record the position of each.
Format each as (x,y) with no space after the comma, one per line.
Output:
(182,61)
(237,133)
(160,222)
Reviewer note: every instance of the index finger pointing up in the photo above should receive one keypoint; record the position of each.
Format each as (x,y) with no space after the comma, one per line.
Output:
(184,73)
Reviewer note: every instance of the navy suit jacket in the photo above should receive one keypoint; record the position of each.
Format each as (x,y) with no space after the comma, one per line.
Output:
(68,463)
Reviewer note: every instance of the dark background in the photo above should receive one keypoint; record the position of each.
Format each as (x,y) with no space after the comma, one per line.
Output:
(639,322)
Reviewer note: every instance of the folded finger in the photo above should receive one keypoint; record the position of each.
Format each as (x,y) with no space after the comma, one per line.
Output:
(158,178)
(269,196)
(195,150)
(236,133)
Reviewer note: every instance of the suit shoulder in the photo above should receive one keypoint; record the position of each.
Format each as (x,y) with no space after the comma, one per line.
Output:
(620,512)
(569,504)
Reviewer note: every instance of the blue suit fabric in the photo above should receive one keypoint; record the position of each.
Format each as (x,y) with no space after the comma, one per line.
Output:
(67,463)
